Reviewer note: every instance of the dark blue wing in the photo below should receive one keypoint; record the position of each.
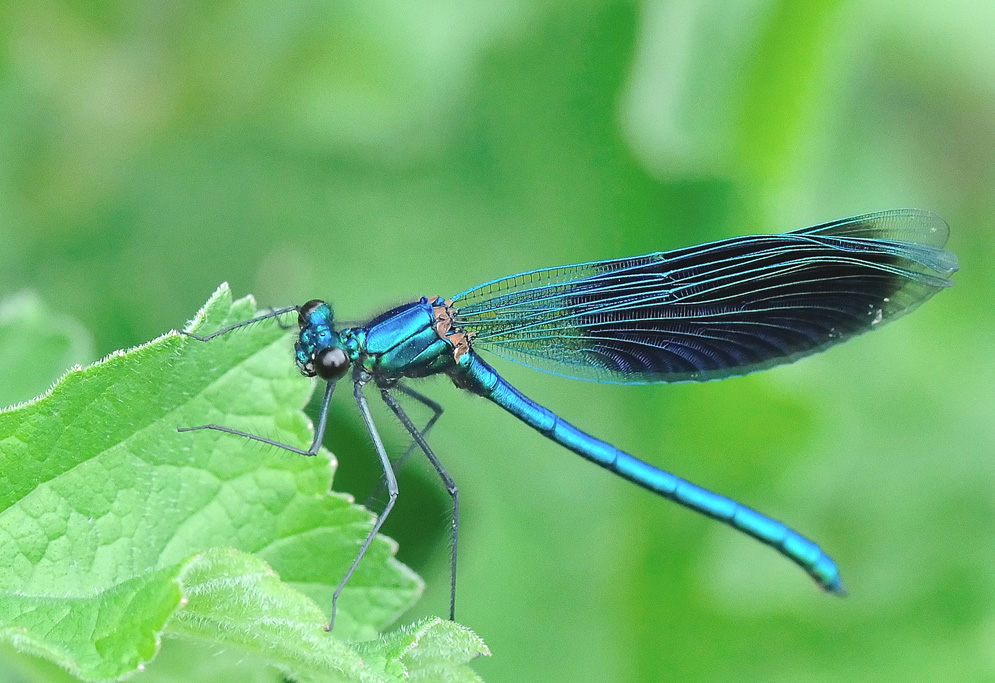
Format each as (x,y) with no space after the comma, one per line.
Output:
(715,310)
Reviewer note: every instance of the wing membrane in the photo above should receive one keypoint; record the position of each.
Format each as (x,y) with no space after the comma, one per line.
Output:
(714,310)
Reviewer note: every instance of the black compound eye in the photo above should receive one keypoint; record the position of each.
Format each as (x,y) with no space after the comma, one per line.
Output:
(331,363)
(305,311)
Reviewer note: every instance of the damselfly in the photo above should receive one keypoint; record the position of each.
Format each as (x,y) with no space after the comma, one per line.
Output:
(690,315)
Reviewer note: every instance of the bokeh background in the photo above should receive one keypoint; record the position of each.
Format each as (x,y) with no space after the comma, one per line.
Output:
(367,152)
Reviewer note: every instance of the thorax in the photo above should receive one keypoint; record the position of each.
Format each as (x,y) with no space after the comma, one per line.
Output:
(413,340)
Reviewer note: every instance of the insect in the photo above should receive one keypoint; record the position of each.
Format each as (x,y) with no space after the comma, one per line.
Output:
(690,315)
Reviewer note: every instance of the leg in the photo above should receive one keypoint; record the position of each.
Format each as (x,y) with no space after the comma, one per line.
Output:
(319,432)
(271,313)
(399,463)
(276,313)
(446,479)
(364,409)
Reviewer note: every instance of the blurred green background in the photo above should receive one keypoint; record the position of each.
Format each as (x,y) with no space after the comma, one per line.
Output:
(370,152)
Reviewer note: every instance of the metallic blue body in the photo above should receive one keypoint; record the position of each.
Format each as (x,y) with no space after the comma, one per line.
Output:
(404,342)
(695,314)
(477,376)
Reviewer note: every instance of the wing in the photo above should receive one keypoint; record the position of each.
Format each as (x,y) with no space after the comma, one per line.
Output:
(715,310)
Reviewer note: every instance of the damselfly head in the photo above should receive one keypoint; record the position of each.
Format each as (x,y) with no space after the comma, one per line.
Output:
(319,350)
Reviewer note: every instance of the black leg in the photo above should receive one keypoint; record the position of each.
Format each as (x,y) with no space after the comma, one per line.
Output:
(399,463)
(277,312)
(364,409)
(446,479)
(272,313)
(319,432)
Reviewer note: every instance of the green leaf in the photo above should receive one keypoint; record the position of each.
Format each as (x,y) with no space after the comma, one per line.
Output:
(237,600)
(115,529)
(431,651)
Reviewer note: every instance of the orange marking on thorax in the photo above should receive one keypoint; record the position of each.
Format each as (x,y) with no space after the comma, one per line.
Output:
(444,328)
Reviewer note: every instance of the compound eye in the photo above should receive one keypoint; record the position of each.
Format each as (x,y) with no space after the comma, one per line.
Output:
(331,363)
(305,311)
